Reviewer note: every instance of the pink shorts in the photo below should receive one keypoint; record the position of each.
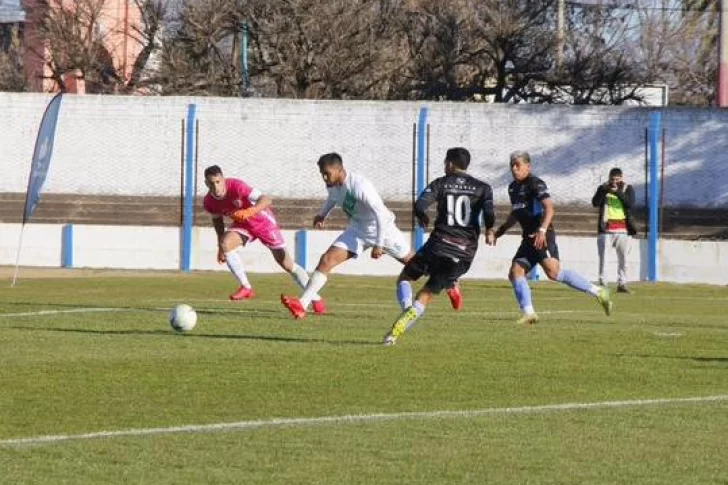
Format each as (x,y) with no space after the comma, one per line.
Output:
(270,237)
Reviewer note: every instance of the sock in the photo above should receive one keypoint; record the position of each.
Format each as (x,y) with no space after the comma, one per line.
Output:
(300,277)
(577,281)
(404,294)
(523,294)
(419,310)
(315,283)
(236,268)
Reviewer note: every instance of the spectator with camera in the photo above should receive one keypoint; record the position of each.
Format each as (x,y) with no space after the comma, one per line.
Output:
(615,199)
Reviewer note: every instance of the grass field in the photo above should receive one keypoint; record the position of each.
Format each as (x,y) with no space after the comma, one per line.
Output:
(95,388)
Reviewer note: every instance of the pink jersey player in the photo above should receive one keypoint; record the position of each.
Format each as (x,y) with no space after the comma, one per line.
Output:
(239,195)
(252,215)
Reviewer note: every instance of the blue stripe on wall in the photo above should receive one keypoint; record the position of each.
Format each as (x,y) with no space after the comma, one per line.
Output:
(654,195)
(301,248)
(67,246)
(419,236)
(189,196)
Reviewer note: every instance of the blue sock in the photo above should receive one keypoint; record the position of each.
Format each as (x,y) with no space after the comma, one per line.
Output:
(404,294)
(523,294)
(575,280)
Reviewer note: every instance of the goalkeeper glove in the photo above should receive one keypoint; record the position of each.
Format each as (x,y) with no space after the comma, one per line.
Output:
(242,214)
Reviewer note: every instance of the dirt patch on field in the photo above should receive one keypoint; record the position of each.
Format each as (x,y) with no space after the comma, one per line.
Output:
(32,272)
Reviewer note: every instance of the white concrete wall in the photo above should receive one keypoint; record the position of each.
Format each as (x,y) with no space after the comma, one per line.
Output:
(159,248)
(132,145)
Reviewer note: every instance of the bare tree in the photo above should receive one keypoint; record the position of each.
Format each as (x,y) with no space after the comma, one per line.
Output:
(503,50)
(11,68)
(197,53)
(324,49)
(154,15)
(599,66)
(76,39)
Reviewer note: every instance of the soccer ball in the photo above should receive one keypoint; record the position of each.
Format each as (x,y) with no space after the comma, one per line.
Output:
(183,318)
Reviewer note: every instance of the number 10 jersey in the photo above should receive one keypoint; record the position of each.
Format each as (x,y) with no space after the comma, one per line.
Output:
(463,203)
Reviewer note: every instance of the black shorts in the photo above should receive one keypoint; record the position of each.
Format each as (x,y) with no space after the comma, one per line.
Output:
(443,271)
(528,256)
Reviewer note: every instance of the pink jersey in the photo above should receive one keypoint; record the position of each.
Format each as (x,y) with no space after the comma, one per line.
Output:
(239,195)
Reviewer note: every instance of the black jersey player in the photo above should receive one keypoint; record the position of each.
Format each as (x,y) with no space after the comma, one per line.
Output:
(463,202)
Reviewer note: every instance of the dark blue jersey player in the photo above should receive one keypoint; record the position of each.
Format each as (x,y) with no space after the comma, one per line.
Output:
(532,208)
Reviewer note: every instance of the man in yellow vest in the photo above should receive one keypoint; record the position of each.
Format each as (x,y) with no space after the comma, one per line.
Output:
(614,200)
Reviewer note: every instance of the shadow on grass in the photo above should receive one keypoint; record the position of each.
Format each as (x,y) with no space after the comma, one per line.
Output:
(710,360)
(169,333)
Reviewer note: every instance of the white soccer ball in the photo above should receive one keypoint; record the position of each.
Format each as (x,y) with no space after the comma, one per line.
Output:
(183,318)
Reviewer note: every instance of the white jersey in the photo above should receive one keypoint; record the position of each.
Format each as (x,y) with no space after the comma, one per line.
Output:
(362,204)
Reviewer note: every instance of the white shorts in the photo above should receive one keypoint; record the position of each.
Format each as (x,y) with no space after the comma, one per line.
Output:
(395,243)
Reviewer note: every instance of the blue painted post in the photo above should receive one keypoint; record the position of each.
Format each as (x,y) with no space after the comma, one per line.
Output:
(189,196)
(301,248)
(421,176)
(67,246)
(654,195)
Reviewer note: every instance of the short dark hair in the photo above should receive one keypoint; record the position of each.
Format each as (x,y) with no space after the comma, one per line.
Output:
(458,156)
(329,159)
(213,170)
(615,172)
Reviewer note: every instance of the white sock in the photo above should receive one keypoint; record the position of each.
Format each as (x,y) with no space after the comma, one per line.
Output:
(300,277)
(594,290)
(236,268)
(315,283)
(528,310)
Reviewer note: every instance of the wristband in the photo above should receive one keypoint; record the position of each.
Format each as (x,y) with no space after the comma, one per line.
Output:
(542,229)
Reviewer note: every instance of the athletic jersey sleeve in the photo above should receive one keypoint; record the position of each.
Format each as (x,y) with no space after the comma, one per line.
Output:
(488,211)
(368,195)
(240,189)
(209,206)
(329,204)
(428,197)
(539,190)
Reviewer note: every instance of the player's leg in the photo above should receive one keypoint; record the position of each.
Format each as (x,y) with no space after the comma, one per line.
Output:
(601,247)
(348,245)
(397,246)
(231,241)
(549,260)
(298,274)
(622,246)
(444,273)
(270,235)
(413,270)
(422,263)
(408,317)
(523,261)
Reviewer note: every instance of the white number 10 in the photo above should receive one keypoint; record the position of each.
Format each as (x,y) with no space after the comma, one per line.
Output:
(458,210)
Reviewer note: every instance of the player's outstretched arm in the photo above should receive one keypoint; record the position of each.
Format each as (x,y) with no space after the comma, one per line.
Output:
(510,222)
(424,201)
(262,203)
(539,238)
(323,213)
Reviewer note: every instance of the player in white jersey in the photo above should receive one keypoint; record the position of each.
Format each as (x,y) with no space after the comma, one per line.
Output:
(371,225)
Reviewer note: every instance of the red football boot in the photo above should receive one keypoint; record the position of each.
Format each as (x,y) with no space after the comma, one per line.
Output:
(294,306)
(319,307)
(456,298)
(243,293)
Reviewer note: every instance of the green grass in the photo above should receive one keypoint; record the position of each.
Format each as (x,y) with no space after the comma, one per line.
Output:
(74,373)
